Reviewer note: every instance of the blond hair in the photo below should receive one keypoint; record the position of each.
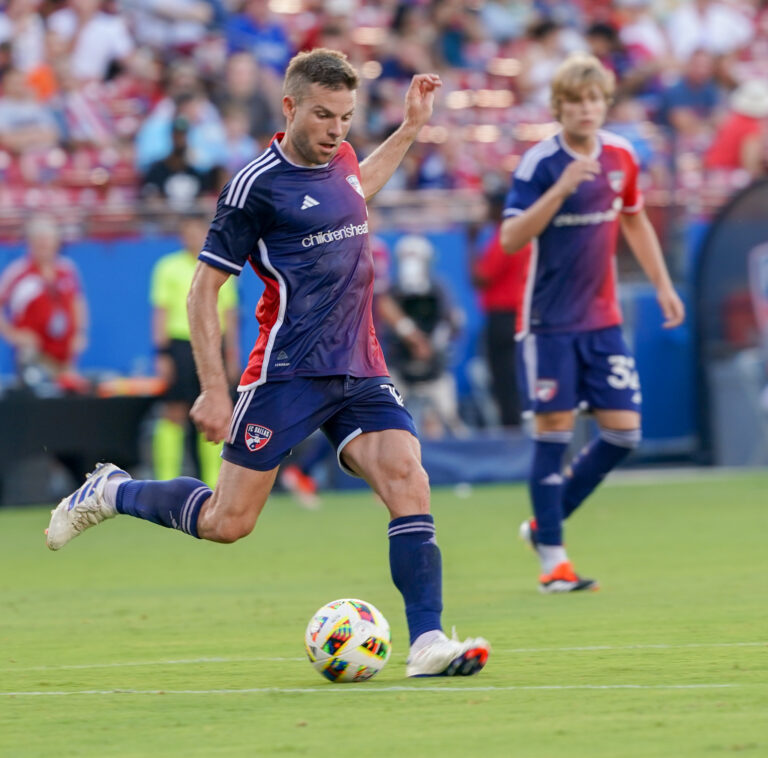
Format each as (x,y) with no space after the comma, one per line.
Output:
(577,72)
(328,68)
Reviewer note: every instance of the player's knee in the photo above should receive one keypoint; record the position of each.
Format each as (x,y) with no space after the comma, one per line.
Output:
(230,530)
(218,526)
(628,438)
(405,478)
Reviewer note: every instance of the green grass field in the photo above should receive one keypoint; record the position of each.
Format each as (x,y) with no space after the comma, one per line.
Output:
(138,641)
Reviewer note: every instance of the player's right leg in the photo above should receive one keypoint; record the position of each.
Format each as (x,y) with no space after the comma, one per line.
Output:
(224,515)
(551,366)
(256,446)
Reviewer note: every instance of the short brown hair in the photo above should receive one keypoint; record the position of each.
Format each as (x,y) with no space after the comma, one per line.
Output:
(328,68)
(574,74)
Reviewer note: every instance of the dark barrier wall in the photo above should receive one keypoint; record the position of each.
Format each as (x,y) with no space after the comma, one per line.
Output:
(116,280)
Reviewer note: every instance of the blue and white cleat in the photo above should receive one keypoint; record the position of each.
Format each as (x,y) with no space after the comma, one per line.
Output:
(449,657)
(84,508)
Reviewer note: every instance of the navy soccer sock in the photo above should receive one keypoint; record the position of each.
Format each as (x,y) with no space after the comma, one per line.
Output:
(546,485)
(175,503)
(590,467)
(417,571)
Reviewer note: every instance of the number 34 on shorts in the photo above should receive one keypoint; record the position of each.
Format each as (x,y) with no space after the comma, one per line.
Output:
(562,371)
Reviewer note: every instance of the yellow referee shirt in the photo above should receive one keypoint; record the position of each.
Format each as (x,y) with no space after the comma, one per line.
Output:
(171,280)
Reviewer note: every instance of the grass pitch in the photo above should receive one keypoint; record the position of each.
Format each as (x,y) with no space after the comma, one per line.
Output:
(138,641)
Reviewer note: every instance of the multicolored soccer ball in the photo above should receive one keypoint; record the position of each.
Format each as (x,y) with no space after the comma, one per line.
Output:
(348,640)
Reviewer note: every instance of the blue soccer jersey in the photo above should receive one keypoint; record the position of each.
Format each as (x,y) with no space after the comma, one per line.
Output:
(304,230)
(571,279)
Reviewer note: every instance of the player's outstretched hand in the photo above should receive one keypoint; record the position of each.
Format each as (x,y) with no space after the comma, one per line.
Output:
(672,307)
(420,99)
(212,413)
(576,172)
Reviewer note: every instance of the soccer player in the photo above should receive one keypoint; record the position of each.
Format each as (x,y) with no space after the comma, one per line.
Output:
(298,215)
(570,196)
(171,279)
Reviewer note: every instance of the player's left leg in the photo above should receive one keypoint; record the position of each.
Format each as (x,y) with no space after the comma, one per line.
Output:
(619,436)
(611,387)
(390,461)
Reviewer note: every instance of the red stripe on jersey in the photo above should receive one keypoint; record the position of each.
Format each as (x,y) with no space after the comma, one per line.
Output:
(267,312)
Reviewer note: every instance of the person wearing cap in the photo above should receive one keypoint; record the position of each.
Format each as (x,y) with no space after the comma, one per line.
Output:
(171,279)
(739,142)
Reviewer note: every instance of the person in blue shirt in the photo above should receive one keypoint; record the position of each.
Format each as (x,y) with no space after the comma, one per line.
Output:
(254,31)
(297,216)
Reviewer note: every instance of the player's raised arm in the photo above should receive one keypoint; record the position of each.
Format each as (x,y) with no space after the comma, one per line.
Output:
(518,230)
(645,246)
(379,166)
(212,410)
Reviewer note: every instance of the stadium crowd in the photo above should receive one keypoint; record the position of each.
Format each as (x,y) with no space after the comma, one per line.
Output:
(119,106)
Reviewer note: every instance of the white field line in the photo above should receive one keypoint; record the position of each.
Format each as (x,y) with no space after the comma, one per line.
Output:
(264,659)
(373,689)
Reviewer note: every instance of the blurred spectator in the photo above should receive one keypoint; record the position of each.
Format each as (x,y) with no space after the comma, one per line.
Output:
(458,29)
(253,89)
(171,280)
(605,44)
(708,25)
(500,279)
(177,25)
(206,138)
(543,54)
(560,12)
(241,147)
(689,105)
(425,382)
(174,180)
(410,39)
(97,40)
(256,31)
(506,20)
(646,45)
(739,143)
(25,124)
(22,27)
(43,313)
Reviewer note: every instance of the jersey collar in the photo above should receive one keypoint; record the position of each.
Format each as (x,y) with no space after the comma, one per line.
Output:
(580,156)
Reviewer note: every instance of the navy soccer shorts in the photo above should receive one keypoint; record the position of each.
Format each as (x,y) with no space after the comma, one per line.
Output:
(271,419)
(565,371)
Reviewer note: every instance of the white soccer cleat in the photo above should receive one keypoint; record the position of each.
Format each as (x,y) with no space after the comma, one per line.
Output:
(449,657)
(84,508)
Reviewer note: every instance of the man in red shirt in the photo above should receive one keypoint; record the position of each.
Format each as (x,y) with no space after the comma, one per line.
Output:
(740,140)
(42,310)
(500,279)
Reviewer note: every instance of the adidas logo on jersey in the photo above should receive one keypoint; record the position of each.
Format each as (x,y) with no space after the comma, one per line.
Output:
(309,202)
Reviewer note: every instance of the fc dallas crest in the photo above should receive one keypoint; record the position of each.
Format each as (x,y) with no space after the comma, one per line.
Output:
(256,436)
(354,182)
(546,389)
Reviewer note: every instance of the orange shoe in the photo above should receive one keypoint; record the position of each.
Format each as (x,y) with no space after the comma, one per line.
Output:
(564,579)
(300,484)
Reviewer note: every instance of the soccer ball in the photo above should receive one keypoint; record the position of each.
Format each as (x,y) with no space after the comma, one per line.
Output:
(348,640)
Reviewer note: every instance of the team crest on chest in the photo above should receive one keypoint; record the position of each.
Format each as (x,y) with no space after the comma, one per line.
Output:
(616,180)
(354,182)
(256,436)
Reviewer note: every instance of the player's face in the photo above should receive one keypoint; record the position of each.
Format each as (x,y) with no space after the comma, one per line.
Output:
(317,124)
(583,113)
